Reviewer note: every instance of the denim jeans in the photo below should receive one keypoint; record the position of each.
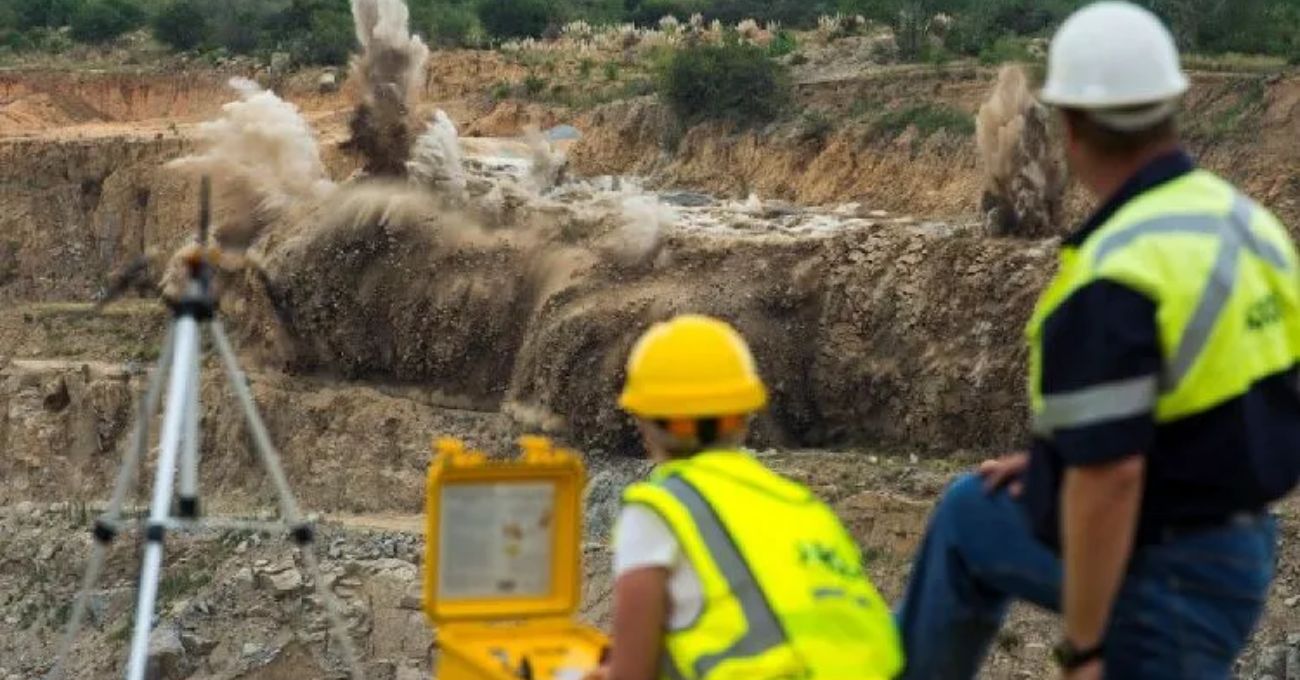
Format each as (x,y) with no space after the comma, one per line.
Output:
(1185,610)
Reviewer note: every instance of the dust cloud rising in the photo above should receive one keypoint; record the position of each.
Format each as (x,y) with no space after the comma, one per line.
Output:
(389,72)
(1025,175)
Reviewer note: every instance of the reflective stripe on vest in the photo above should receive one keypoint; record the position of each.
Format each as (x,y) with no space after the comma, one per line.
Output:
(784,592)
(1138,396)
(763,630)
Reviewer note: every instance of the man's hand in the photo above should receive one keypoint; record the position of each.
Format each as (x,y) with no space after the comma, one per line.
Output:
(1005,471)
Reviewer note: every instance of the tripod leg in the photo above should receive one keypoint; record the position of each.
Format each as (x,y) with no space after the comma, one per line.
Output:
(303,535)
(187,344)
(106,526)
(188,506)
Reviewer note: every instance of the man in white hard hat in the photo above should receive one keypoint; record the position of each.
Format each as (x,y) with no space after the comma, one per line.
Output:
(1164,387)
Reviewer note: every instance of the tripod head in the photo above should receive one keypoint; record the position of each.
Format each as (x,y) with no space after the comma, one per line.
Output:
(199,261)
(199,300)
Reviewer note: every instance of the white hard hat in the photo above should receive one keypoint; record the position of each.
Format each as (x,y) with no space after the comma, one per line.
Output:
(1115,55)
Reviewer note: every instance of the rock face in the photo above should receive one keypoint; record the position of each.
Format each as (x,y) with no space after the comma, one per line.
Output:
(166,654)
(86,208)
(212,622)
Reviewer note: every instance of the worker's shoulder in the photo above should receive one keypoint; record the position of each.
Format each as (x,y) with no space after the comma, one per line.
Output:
(1195,203)
(1196,193)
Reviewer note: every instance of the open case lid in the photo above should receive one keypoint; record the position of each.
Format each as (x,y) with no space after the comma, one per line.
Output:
(502,536)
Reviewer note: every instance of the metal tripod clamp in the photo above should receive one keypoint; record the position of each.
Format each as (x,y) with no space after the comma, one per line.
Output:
(199,301)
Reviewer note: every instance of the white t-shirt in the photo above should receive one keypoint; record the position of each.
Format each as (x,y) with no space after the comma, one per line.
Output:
(642,539)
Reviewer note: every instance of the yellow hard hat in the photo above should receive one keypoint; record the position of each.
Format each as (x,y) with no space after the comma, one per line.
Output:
(691,367)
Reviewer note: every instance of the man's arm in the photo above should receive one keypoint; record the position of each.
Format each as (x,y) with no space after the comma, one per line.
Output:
(640,610)
(1099,515)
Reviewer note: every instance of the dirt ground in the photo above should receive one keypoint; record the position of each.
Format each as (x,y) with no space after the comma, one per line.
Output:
(885,320)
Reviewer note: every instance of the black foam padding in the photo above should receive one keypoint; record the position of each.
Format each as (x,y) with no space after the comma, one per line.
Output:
(303,534)
(104,532)
(188,508)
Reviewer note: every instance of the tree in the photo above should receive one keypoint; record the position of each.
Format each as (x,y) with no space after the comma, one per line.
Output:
(910,19)
(331,38)
(517,18)
(44,13)
(182,25)
(446,23)
(647,12)
(597,11)
(103,20)
(733,81)
(791,13)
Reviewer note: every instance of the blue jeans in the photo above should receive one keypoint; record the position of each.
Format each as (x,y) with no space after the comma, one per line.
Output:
(1184,611)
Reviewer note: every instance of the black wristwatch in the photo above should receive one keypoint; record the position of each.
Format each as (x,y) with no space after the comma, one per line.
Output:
(1069,657)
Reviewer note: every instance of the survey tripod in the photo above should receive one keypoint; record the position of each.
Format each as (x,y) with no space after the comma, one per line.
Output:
(179,366)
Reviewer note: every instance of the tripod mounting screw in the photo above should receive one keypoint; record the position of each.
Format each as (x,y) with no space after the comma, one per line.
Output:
(104,531)
(303,534)
(201,307)
(188,508)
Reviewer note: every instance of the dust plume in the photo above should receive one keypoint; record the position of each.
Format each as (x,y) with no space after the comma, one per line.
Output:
(436,158)
(547,167)
(638,236)
(363,277)
(263,159)
(1024,174)
(388,71)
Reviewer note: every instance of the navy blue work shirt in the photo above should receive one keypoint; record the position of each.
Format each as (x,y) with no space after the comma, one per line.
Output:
(1200,470)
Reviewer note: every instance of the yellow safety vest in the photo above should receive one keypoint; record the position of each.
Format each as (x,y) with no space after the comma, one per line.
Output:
(785,594)
(1222,272)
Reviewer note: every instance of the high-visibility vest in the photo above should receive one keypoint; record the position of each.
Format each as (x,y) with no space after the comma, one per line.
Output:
(1223,275)
(784,590)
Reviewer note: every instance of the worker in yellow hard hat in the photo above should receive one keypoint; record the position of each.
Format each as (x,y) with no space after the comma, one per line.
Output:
(723,568)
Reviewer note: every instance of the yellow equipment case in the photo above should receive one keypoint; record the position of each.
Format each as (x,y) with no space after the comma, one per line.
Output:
(502,566)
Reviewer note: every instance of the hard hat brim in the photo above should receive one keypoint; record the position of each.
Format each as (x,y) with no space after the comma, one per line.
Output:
(679,404)
(1059,98)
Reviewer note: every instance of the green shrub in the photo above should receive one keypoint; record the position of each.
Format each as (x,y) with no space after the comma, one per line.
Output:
(815,126)
(246,26)
(733,81)
(935,55)
(534,84)
(1236,116)
(648,12)
(50,40)
(502,91)
(928,118)
(516,18)
(1234,62)
(454,26)
(182,25)
(331,39)
(783,43)
(8,17)
(584,68)
(100,21)
(611,71)
(1008,48)
(44,13)
(15,40)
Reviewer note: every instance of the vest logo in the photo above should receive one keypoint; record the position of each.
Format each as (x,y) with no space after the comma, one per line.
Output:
(812,554)
(1265,312)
